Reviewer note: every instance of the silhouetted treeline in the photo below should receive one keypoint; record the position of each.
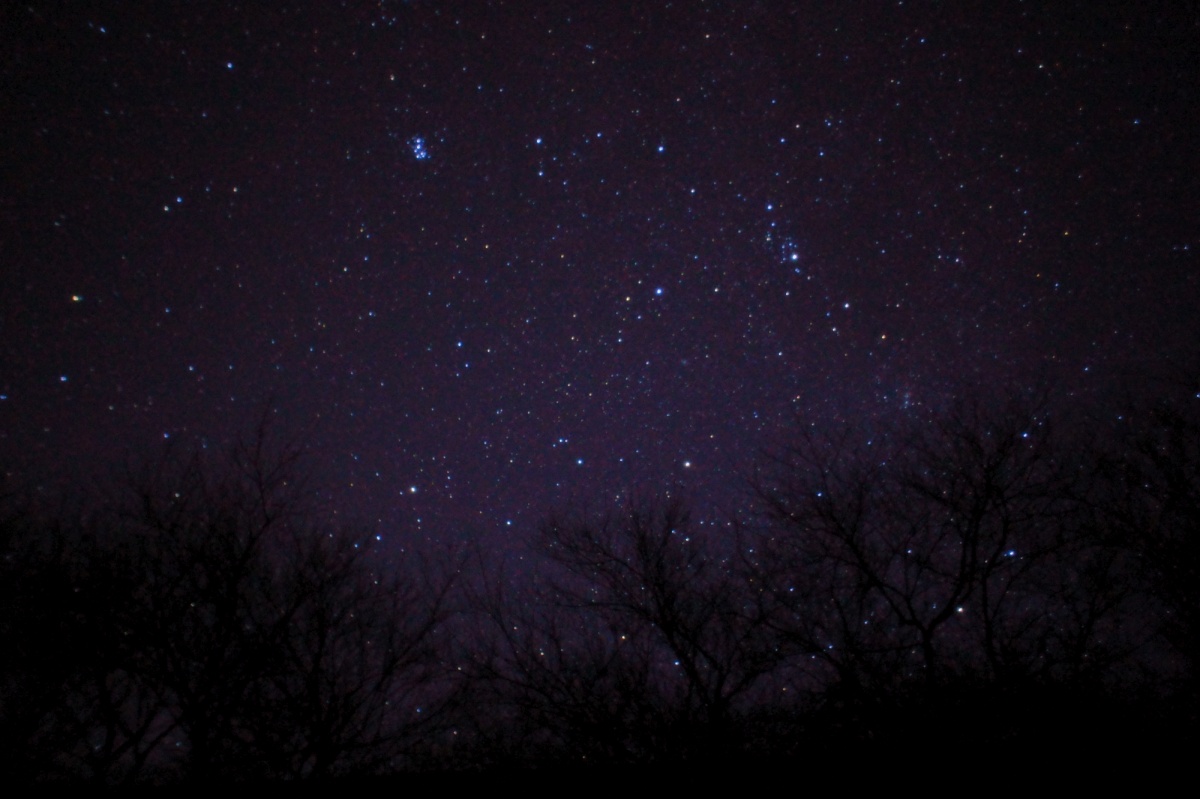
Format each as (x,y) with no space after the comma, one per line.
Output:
(997,579)
(206,624)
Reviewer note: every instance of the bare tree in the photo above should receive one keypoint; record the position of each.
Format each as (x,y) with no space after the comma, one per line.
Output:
(649,571)
(1152,506)
(37,626)
(560,682)
(284,652)
(359,680)
(962,548)
(70,706)
(204,534)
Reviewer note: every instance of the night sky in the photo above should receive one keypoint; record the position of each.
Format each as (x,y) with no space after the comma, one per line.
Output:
(487,258)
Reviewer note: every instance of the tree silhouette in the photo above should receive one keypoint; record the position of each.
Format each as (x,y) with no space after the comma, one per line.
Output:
(994,570)
(72,705)
(565,684)
(357,685)
(209,623)
(1152,505)
(963,548)
(284,651)
(649,571)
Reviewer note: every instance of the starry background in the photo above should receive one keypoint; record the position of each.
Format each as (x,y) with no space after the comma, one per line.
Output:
(487,258)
